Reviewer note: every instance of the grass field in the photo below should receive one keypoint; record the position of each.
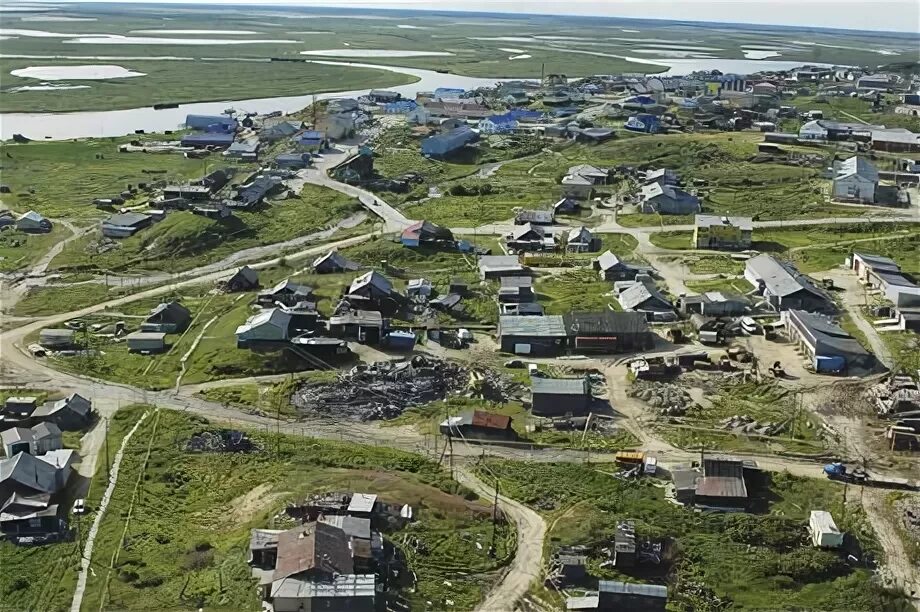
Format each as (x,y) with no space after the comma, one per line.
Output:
(574,289)
(184,240)
(61,179)
(41,301)
(713,561)
(19,250)
(177,530)
(196,81)
(728,285)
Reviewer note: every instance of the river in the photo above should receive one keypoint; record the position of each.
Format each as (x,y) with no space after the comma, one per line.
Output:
(100,124)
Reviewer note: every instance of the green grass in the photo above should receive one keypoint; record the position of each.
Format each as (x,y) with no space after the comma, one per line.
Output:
(653,220)
(186,541)
(903,247)
(19,250)
(749,561)
(41,301)
(713,264)
(198,81)
(61,179)
(729,285)
(904,347)
(269,399)
(184,240)
(673,239)
(574,289)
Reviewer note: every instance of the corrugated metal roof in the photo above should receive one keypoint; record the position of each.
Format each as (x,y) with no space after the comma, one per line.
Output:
(559,386)
(343,585)
(362,502)
(721,486)
(822,521)
(781,279)
(481,418)
(630,588)
(550,326)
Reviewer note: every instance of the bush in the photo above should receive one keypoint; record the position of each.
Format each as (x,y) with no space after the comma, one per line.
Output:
(810,565)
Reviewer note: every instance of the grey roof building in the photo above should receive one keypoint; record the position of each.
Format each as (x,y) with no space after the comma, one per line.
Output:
(167,317)
(543,335)
(613,268)
(559,396)
(784,287)
(644,297)
(496,266)
(831,350)
(667,200)
(332,262)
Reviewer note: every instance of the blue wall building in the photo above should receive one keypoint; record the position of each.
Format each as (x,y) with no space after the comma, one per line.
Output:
(442,144)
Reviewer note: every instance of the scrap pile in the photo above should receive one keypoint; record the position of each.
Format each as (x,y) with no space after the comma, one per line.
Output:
(222,441)
(669,400)
(748,425)
(383,390)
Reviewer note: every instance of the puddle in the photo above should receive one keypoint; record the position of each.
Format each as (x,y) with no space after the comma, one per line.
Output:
(524,39)
(510,50)
(630,31)
(233,32)
(37,33)
(759,54)
(312,32)
(404,26)
(45,88)
(55,18)
(673,53)
(372,53)
(521,56)
(119,58)
(59,73)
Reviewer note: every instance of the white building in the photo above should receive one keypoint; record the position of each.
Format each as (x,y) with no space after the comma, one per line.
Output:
(812,131)
(855,179)
(823,530)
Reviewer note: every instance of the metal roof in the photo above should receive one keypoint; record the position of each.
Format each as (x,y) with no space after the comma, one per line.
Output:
(29,472)
(129,219)
(631,588)
(781,279)
(641,294)
(858,166)
(721,486)
(146,336)
(312,546)
(362,502)
(821,520)
(605,322)
(743,223)
(559,386)
(342,585)
(551,326)
(490,420)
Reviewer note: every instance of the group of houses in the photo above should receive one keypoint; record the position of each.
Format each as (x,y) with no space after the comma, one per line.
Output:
(334,559)
(36,467)
(885,280)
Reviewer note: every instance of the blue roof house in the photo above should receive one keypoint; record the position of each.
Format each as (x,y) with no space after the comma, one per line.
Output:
(448,92)
(442,144)
(211,123)
(524,115)
(498,124)
(207,139)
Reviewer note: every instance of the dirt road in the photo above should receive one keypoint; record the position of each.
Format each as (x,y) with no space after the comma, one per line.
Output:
(528,562)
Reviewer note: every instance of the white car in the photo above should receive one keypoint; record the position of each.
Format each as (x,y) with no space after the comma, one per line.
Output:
(79,506)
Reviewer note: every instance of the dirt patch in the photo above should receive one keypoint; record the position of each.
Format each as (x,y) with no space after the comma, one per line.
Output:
(245,507)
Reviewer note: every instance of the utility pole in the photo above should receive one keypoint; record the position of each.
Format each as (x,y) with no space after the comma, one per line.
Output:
(106,444)
(494,519)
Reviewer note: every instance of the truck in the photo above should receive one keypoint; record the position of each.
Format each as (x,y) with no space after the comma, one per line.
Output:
(856,475)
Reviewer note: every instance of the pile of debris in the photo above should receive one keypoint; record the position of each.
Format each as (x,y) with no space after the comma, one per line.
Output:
(221,441)
(748,425)
(103,245)
(385,389)
(910,516)
(669,400)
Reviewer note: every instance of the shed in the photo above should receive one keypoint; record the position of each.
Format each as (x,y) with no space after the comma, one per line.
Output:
(607,331)
(559,396)
(146,342)
(70,413)
(167,317)
(823,530)
(362,504)
(333,262)
(477,425)
(243,279)
(33,222)
(616,595)
(126,224)
(539,335)
(497,266)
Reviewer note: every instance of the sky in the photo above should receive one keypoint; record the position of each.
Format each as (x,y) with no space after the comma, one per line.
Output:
(889,15)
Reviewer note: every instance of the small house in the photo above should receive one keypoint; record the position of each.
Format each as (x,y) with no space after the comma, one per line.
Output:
(383,96)
(426,233)
(579,240)
(597,176)
(279,131)
(19,407)
(559,396)
(17,440)
(204,140)
(577,187)
(444,144)
(566,206)
(498,124)
(272,325)
(714,304)
(338,126)
(644,122)
(70,413)
(46,437)
(57,339)
(667,200)
(646,298)
(252,193)
(497,266)
(247,151)
(607,331)
(722,486)
(33,222)
(372,287)
(823,530)
(612,268)
(716,232)
(419,287)
(244,279)
(293,161)
(287,293)
(211,123)
(334,262)
(478,425)
(123,225)
(146,342)
(516,290)
(364,326)
(855,180)
(530,238)
(535,217)
(311,140)
(167,317)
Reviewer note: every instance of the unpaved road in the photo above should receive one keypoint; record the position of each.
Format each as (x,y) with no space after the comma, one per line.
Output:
(528,561)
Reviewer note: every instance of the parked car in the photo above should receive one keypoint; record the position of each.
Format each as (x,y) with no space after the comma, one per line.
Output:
(79,506)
